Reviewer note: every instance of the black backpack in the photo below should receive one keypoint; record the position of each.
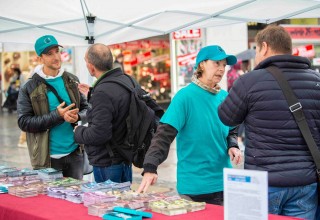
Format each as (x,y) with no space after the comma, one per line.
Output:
(142,121)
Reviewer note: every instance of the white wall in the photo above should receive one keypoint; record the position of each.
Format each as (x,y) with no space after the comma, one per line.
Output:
(80,68)
(12,47)
(232,38)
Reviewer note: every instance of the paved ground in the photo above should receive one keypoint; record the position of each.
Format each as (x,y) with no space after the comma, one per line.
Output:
(12,155)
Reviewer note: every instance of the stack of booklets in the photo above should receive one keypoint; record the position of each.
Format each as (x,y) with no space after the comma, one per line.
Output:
(100,209)
(105,186)
(66,181)
(121,186)
(25,180)
(49,174)
(74,196)
(10,171)
(175,206)
(23,191)
(125,199)
(93,186)
(90,198)
(41,187)
(70,193)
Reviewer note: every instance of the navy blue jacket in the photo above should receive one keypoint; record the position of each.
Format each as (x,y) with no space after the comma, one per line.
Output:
(273,140)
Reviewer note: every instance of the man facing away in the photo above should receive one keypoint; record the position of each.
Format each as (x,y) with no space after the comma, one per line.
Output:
(49,123)
(109,108)
(274,142)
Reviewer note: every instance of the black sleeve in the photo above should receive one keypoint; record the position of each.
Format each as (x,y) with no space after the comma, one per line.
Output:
(83,109)
(99,131)
(159,148)
(232,138)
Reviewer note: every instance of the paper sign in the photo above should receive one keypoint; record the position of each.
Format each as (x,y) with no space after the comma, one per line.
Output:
(245,194)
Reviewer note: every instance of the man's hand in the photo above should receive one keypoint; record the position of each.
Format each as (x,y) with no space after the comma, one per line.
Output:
(147,180)
(235,155)
(71,116)
(84,89)
(68,115)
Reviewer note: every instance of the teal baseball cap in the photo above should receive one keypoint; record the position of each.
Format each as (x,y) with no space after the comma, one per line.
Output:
(45,43)
(215,53)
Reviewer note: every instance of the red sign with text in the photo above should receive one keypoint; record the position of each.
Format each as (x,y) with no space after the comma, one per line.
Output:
(303,32)
(142,44)
(187,59)
(187,34)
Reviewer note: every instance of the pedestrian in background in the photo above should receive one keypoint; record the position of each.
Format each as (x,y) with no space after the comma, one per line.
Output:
(24,77)
(273,140)
(119,62)
(48,120)
(204,145)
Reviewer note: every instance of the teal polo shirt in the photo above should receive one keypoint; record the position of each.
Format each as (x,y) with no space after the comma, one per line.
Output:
(201,140)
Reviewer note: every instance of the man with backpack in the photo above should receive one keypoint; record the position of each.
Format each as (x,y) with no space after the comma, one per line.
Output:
(107,139)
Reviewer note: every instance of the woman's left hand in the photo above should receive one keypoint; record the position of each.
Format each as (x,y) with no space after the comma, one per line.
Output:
(235,155)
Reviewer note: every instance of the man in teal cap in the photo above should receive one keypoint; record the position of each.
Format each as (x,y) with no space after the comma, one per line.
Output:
(204,144)
(49,105)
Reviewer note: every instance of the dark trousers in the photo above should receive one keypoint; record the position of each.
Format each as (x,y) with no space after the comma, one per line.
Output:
(211,198)
(70,165)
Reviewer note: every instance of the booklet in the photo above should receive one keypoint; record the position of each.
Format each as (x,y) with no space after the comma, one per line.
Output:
(245,194)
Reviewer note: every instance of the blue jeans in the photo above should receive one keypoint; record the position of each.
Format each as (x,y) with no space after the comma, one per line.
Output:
(118,173)
(70,165)
(299,201)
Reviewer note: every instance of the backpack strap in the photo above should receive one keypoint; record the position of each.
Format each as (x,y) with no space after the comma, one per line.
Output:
(120,82)
(131,88)
(50,87)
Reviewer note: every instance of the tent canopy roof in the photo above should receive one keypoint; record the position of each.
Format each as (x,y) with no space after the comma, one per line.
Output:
(124,20)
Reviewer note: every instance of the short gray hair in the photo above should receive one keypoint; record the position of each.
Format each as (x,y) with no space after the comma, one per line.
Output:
(100,56)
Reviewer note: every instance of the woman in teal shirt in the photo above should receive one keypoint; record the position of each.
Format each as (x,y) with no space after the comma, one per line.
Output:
(204,144)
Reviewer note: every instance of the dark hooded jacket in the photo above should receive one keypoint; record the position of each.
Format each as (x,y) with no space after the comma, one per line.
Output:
(108,109)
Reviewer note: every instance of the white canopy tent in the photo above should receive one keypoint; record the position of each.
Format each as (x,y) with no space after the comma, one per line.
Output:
(123,20)
(120,21)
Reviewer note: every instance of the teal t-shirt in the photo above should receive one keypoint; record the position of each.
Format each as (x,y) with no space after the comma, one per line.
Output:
(61,139)
(201,140)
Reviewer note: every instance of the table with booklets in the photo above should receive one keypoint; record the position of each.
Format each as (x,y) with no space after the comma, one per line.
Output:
(43,207)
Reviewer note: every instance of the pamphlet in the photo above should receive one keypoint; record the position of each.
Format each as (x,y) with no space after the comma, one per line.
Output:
(245,194)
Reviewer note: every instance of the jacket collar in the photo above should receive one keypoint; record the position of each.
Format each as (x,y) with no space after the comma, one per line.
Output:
(110,73)
(285,61)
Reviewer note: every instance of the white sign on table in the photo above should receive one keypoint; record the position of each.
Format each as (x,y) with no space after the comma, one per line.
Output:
(245,194)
